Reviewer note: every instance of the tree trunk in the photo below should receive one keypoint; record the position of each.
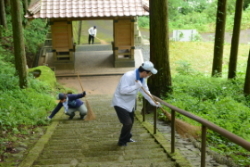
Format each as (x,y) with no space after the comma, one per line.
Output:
(7,2)
(247,78)
(25,6)
(19,47)
(235,40)
(159,84)
(219,38)
(3,21)
(79,32)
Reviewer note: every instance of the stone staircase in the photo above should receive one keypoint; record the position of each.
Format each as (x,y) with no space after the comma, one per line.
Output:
(94,143)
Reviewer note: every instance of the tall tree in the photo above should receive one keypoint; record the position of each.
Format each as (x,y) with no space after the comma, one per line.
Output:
(19,47)
(161,83)
(3,21)
(219,38)
(247,78)
(235,39)
(7,2)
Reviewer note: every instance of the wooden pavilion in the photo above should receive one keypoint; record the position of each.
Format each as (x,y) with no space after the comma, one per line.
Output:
(61,13)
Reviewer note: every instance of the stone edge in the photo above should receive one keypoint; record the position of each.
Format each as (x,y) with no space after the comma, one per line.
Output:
(177,157)
(36,150)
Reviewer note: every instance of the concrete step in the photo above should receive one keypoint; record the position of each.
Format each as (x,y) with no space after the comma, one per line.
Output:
(126,164)
(128,154)
(113,164)
(94,143)
(115,161)
(95,47)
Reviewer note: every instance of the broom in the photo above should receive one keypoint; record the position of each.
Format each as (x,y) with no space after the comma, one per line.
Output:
(102,41)
(183,128)
(90,114)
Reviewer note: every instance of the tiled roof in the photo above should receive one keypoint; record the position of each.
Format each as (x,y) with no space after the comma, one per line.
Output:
(87,8)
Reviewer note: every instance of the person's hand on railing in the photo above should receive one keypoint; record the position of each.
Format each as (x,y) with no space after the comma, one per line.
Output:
(157,104)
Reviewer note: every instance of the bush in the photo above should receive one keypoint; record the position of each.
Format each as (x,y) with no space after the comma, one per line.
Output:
(219,101)
(24,106)
(143,21)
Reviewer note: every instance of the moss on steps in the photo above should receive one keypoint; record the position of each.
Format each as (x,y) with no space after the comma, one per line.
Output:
(94,143)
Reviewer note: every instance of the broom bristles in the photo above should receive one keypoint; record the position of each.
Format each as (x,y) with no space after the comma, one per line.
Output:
(90,114)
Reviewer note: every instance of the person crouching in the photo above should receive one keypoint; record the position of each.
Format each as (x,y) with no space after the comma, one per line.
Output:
(71,104)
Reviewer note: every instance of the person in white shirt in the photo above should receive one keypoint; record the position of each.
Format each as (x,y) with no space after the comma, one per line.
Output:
(92,34)
(125,95)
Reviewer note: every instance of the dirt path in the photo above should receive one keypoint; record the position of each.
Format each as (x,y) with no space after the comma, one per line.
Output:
(209,37)
(96,85)
(105,33)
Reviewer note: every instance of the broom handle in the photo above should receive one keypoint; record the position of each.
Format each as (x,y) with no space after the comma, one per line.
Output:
(148,94)
(80,83)
(151,97)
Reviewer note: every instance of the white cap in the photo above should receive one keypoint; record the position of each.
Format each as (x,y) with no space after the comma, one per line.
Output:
(149,66)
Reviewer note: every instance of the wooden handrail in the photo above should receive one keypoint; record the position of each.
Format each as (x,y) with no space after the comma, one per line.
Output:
(205,124)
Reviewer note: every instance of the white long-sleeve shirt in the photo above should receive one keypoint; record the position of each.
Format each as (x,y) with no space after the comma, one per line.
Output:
(126,92)
(92,31)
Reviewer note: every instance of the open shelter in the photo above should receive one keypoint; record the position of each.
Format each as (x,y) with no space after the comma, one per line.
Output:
(61,13)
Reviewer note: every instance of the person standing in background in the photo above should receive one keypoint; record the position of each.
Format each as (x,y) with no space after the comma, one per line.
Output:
(92,34)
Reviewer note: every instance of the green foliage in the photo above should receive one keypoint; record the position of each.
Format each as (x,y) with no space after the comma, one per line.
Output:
(143,21)
(219,101)
(246,3)
(184,68)
(35,34)
(245,18)
(47,75)
(24,106)
(199,15)
(22,110)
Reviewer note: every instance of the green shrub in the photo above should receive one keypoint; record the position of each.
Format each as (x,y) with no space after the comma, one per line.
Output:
(35,35)
(24,106)
(143,21)
(219,101)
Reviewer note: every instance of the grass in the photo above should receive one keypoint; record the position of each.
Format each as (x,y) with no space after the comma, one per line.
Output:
(200,56)
(104,30)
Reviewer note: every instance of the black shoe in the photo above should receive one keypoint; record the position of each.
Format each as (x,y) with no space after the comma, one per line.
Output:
(131,141)
(82,116)
(122,144)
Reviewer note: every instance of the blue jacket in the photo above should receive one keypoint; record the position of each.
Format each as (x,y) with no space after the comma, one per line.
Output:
(73,102)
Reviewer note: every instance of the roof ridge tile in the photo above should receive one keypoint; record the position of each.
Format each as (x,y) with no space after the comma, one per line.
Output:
(87,8)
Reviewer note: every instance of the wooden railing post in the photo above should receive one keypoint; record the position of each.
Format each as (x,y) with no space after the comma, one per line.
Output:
(143,109)
(203,145)
(155,120)
(172,131)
